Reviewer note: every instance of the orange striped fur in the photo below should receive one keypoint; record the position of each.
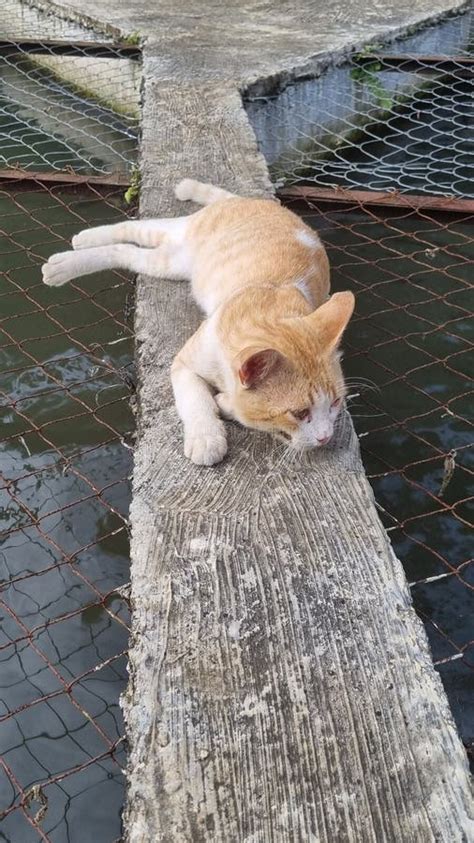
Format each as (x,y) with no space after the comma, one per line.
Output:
(267,352)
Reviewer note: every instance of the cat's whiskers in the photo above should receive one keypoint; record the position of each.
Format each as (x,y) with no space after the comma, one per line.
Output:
(289,454)
(362,383)
(341,424)
(366,415)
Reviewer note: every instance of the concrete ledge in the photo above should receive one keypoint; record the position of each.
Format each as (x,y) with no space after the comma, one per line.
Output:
(281,686)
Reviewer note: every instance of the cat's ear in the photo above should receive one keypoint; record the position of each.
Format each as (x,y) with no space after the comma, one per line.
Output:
(255,366)
(331,318)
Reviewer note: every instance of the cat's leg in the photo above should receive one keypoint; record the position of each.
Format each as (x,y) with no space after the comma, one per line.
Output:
(168,261)
(205,441)
(225,404)
(149,233)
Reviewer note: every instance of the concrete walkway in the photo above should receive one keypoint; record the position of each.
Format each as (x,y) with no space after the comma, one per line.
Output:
(281,685)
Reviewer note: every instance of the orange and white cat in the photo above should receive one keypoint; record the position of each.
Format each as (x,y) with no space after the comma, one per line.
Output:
(266,354)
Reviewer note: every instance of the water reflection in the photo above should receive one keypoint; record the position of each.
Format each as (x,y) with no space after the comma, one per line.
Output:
(64,496)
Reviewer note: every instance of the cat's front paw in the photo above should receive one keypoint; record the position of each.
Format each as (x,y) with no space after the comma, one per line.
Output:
(205,448)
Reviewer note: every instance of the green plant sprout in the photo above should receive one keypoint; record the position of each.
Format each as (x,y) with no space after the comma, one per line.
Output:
(133,191)
(133,39)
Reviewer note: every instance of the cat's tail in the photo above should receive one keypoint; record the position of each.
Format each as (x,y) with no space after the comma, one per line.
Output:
(203,194)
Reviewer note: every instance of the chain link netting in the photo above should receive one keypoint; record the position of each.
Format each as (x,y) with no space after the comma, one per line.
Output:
(377,155)
(66,384)
(392,120)
(66,107)
(69,101)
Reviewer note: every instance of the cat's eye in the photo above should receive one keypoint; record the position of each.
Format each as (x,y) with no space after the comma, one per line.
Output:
(302,415)
(336,403)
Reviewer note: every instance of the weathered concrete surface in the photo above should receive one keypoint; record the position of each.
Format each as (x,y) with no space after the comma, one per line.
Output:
(281,685)
(244,41)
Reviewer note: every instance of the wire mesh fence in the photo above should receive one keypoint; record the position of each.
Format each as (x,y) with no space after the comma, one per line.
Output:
(65,390)
(392,120)
(37,20)
(67,107)
(378,156)
(69,103)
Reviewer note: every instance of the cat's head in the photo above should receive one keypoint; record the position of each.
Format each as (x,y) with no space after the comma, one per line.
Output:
(290,382)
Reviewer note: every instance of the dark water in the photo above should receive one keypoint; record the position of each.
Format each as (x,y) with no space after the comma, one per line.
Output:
(65,388)
(410,348)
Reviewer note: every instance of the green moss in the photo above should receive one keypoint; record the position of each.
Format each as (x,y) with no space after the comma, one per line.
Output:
(367,74)
(132,40)
(368,50)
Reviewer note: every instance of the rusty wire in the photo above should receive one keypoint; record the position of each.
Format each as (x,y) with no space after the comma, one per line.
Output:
(408,361)
(377,155)
(65,392)
(66,384)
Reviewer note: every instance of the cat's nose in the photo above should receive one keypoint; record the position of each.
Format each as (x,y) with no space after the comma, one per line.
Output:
(323,440)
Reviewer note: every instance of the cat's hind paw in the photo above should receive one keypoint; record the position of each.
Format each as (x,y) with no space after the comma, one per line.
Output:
(59,269)
(185,190)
